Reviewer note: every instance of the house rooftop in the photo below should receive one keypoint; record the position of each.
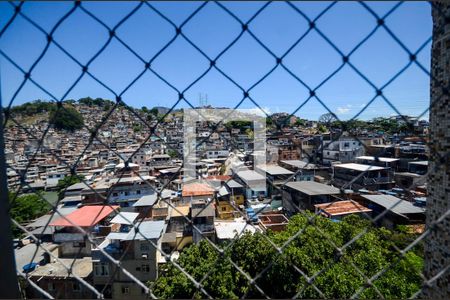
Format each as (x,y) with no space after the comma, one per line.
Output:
(147,230)
(359,167)
(81,267)
(150,200)
(85,216)
(203,211)
(382,159)
(219,177)
(419,163)
(180,211)
(250,175)
(276,170)
(341,208)
(126,218)
(197,189)
(312,188)
(227,230)
(299,164)
(25,254)
(77,186)
(44,219)
(233,184)
(394,204)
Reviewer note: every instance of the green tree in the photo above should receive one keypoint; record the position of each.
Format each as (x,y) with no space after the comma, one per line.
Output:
(137,127)
(172,153)
(154,111)
(249,133)
(67,181)
(312,252)
(300,122)
(321,128)
(25,208)
(66,118)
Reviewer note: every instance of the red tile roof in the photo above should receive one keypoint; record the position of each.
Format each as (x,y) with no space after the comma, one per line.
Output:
(342,208)
(85,216)
(197,189)
(219,177)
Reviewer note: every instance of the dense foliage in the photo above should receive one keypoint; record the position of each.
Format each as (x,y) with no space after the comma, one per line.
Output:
(26,208)
(67,181)
(67,118)
(33,108)
(95,102)
(310,252)
(242,125)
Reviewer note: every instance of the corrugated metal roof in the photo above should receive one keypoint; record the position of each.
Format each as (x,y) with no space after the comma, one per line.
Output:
(126,218)
(276,170)
(401,206)
(382,159)
(313,188)
(250,175)
(116,235)
(233,184)
(147,200)
(359,167)
(86,216)
(150,200)
(147,229)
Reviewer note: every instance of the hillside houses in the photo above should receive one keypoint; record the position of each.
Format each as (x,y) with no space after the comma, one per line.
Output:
(135,201)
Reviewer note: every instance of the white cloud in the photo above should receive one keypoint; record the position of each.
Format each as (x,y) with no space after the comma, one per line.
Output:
(257,111)
(342,110)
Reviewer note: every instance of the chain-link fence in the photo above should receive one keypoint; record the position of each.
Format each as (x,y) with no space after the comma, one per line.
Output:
(122,225)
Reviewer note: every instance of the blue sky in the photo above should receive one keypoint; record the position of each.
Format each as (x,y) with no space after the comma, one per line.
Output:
(278,26)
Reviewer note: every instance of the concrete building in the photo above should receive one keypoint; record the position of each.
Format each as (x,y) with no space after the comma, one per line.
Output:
(362,176)
(138,256)
(303,195)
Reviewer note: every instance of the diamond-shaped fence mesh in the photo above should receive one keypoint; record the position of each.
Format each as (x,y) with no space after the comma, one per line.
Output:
(340,209)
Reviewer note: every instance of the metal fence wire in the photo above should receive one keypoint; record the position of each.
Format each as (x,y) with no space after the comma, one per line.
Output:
(152,130)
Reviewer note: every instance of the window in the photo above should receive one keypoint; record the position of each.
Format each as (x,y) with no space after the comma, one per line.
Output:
(76,287)
(115,194)
(127,193)
(79,244)
(145,247)
(51,286)
(224,208)
(101,269)
(138,192)
(145,268)
(125,290)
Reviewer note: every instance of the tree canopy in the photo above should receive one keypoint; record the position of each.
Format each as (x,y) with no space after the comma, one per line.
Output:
(26,208)
(242,125)
(67,181)
(311,252)
(66,118)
